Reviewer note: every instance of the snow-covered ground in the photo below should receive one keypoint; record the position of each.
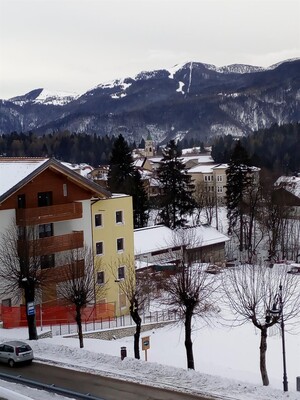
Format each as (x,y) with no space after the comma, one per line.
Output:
(226,361)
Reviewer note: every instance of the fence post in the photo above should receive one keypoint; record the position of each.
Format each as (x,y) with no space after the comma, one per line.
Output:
(93,323)
(101,323)
(109,321)
(68,327)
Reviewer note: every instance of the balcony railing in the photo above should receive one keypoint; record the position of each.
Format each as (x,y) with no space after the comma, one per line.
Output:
(62,273)
(48,214)
(54,244)
(49,245)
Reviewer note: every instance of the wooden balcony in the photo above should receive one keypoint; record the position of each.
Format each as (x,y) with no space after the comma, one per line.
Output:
(63,273)
(46,215)
(50,244)
(54,244)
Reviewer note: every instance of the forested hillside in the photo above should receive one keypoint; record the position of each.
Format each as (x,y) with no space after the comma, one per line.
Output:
(73,148)
(276,148)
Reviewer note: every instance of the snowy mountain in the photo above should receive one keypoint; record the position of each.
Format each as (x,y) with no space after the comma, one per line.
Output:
(188,100)
(42,96)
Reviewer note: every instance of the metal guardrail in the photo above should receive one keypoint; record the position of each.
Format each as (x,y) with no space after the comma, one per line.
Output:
(116,322)
(49,388)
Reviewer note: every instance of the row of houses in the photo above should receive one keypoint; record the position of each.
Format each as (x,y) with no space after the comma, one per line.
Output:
(205,173)
(69,211)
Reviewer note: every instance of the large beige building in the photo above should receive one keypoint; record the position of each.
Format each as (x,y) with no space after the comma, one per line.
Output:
(211,177)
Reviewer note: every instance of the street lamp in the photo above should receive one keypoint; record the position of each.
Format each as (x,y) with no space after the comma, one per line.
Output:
(277,311)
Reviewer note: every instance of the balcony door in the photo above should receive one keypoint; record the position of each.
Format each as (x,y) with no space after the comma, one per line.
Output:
(44,199)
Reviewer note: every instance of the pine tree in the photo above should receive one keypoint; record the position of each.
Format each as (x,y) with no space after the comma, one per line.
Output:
(124,178)
(176,201)
(238,182)
(121,169)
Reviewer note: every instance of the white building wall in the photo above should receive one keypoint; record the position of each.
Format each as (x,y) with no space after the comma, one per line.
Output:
(7,218)
(80,224)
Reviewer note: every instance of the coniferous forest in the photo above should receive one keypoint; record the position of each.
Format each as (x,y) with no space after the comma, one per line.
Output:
(65,146)
(276,148)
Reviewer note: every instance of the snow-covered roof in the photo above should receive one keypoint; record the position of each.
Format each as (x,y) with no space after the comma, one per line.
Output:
(139,162)
(200,159)
(81,169)
(290,183)
(14,170)
(204,169)
(221,166)
(160,237)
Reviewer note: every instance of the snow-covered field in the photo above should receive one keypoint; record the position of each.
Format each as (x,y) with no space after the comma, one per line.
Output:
(226,361)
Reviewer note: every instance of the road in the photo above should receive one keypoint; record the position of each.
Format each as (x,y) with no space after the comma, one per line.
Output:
(98,386)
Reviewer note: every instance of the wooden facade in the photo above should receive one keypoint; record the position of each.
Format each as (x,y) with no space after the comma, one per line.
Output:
(53,203)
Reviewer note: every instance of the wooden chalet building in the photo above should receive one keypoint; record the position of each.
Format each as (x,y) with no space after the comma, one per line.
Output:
(55,201)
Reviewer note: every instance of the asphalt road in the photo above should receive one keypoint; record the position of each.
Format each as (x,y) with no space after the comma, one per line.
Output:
(98,386)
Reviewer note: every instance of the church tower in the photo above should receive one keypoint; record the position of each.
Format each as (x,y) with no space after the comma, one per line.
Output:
(149,146)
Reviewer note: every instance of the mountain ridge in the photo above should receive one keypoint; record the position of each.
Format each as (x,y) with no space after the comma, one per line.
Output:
(189,100)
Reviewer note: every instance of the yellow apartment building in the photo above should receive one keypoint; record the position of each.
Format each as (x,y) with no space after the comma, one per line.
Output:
(112,231)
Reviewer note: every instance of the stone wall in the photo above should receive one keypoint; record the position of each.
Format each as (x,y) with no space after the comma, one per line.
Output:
(118,333)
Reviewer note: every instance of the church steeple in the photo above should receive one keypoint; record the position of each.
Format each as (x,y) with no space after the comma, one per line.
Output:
(149,150)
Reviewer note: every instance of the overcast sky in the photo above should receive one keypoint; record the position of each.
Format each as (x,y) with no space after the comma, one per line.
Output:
(73,45)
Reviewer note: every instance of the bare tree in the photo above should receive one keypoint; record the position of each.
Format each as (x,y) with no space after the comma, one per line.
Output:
(20,272)
(206,202)
(77,283)
(137,288)
(274,219)
(190,288)
(250,291)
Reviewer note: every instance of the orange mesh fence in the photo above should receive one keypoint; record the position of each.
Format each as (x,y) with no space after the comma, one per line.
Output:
(14,317)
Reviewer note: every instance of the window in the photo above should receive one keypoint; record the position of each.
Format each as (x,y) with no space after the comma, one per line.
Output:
(120,244)
(8,349)
(21,232)
(121,273)
(119,217)
(100,278)
(6,302)
(44,199)
(99,248)
(45,230)
(47,261)
(21,201)
(98,220)
(208,178)
(65,189)
(220,189)
(219,178)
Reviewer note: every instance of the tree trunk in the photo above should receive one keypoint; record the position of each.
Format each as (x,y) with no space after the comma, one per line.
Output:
(263,351)
(188,340)
(31,320)
(138,322)
(241,246)
(79,326)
